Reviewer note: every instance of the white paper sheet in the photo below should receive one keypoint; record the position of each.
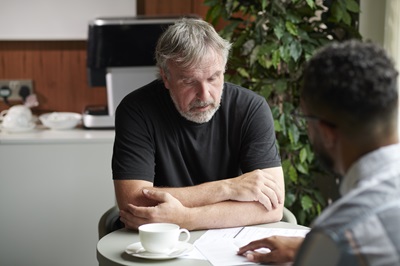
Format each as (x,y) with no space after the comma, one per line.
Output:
(221,245)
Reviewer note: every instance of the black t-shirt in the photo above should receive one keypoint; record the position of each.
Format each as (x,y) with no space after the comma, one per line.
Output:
(154,142)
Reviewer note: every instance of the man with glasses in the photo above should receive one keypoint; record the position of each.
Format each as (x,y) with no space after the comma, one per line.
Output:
(349,100)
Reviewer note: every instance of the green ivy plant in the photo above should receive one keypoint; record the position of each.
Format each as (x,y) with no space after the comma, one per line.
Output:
(272,39)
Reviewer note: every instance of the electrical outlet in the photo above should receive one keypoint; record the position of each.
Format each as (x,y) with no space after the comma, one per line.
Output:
(16,89)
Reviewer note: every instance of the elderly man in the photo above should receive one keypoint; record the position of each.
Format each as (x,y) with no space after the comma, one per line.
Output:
(210,144)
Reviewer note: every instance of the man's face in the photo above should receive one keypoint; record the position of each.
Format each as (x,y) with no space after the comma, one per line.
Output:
(321,153)
(317,142)
(196,92)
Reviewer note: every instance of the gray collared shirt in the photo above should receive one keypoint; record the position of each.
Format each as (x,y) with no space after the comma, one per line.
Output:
(362,227)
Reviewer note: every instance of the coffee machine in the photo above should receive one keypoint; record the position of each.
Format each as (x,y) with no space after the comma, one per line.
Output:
(120,56)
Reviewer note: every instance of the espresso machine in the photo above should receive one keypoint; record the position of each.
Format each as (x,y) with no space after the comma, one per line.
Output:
(120,56)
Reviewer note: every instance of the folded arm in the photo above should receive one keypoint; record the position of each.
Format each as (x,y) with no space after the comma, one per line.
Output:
(255,197)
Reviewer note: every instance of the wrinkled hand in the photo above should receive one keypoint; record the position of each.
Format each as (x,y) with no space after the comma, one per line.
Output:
(257,186)
(168,210)
(283,249)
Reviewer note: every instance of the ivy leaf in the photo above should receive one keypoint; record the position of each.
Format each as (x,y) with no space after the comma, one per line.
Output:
(279,30)
(243,72)
(302,168)
(285,53)
(352,6)
(227,31)
(277,126)
(294,131)
(290,198)
(291,138)
(264,52)
(276,58)
(266,89)
(285,166)
(295,50)
(293,174)
(291,28)
(337,12)
(319,197)
(310,153)
(346,18)
(293,17)
(264,4)
(268,48)
(306,202)
(247,47)
(213,13)
(303,155)
(254,55)
(311,3)
(280,85)
(301,215)
(265,62)
(282,121)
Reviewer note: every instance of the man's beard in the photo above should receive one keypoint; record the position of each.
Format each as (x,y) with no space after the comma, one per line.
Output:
(324,159)
(198,117)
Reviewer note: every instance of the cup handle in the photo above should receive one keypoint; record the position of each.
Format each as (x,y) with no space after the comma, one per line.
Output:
(187,234)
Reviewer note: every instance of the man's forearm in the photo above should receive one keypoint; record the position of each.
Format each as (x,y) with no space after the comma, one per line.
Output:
(230,214)
(199,195)
(263,186)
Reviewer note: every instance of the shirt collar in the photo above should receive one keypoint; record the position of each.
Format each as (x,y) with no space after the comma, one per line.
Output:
(367,164)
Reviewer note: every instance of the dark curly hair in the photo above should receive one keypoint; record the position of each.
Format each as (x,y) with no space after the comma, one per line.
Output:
(353,84)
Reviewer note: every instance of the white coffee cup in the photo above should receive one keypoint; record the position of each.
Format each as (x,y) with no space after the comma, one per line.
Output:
(161,237)
(17,117)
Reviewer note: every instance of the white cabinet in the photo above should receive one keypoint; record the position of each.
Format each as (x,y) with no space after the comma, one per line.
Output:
(56,19)
(54,187)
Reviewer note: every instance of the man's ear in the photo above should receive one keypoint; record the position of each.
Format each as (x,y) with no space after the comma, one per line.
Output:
(329,134)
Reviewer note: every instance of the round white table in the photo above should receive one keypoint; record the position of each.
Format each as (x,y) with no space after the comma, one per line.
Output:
(111,248)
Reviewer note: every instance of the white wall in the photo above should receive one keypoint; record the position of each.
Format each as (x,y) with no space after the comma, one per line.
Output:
(380,23)
(56,19)
(392,30)
(372,20)
(392,34)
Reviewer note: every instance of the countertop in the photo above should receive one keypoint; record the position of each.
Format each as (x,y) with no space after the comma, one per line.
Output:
(43,135)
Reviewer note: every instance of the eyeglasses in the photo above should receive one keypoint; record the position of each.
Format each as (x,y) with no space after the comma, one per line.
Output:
(300,118)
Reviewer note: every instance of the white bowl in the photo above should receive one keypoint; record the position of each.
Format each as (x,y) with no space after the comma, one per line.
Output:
(60,120)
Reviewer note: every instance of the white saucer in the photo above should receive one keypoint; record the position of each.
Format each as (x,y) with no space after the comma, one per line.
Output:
(137,250)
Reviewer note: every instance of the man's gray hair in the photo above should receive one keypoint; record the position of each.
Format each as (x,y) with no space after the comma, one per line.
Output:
(187,41)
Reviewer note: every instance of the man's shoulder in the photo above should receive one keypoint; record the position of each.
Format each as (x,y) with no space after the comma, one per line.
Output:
(357,212)
(147,90)
(146,95)
(375,233)
(234,92)
(237,89)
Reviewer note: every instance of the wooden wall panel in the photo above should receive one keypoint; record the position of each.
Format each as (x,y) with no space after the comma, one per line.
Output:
(157,7)
(171,7)
(58,70)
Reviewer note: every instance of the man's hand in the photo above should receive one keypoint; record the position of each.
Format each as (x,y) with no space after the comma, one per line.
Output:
(283,249)
(168,210)
(257,185)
